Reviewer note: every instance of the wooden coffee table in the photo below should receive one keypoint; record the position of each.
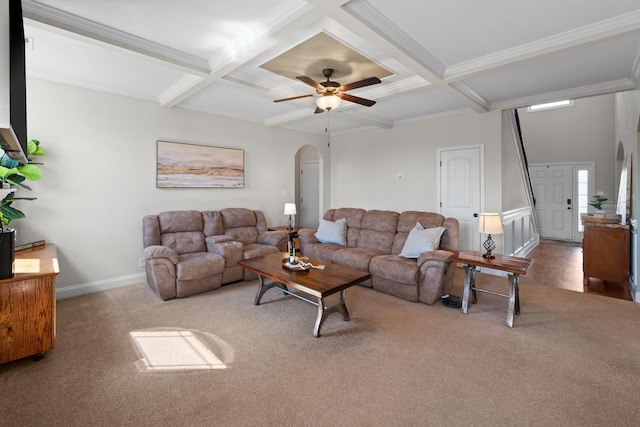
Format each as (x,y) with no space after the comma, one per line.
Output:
(314,285)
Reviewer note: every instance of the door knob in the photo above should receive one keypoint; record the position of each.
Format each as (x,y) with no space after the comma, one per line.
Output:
(475,215)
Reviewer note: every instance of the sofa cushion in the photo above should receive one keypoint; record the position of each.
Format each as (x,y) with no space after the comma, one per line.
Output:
(407,221)
(332,232)
(184,242)
(196,266)
(354,222)
(421,240)
(393,267)
(378,230)
(212,223)
(254,250)
(177,221)
(321,251)
(354,258)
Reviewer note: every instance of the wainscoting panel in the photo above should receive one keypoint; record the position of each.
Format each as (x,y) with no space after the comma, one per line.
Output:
(520,235)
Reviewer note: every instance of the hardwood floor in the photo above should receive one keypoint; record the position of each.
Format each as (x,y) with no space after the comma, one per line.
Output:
(560,266)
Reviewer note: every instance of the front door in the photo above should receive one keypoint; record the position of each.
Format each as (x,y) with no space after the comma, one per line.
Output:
(553,192)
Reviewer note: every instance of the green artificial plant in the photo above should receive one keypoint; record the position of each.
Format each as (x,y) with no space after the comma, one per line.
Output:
(14,174)
(597,200)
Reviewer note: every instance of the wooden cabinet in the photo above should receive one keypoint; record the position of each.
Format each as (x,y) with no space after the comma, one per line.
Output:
(28,305)
(606,252)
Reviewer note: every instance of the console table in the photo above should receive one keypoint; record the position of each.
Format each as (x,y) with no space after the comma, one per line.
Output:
(513,266)
(606,249)
(28,305)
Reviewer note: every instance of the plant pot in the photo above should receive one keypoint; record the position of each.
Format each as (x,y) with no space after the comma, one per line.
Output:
(7,252)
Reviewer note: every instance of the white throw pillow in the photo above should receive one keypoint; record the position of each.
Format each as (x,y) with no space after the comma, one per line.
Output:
(332,232)
(421,240)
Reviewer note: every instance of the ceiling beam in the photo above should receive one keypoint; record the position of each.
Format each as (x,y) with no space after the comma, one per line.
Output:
(370,24)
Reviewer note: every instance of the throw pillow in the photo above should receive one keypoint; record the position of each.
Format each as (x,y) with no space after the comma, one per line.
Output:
(332,232)
(421,240)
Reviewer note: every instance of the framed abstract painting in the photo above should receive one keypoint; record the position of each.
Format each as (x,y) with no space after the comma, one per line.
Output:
(190,166)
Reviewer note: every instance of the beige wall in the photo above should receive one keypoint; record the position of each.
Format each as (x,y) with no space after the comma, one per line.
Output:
(365,165)
(582,133)
(99,175)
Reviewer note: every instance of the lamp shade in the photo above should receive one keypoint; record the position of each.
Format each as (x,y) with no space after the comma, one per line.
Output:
(490,223)
(289,208)
(327,102)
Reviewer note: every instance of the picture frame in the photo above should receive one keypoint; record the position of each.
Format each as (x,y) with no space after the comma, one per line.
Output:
(185,165)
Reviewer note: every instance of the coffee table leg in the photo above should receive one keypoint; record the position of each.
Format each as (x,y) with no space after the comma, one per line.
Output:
(324,312)
(264,287)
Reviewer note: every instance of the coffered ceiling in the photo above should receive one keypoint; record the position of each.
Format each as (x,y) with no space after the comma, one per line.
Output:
(442,57)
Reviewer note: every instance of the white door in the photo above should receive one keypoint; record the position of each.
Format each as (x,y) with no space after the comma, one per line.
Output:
(460,191)
(309,194)
(553,192)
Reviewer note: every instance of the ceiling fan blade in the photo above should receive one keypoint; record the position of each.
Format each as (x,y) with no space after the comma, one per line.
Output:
(293,97)
(311,82)
(361,83)
(357,99)
(318,110)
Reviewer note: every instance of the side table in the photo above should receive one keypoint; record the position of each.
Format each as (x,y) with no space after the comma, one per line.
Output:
(294,230)
(513,266)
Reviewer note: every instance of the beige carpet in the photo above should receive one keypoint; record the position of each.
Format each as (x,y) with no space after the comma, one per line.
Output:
(572,359)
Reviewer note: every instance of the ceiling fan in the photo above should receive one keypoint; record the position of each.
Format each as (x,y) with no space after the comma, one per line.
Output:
(332,92)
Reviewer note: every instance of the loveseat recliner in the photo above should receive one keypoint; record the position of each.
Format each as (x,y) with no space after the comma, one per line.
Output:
(374,241)
(188,252)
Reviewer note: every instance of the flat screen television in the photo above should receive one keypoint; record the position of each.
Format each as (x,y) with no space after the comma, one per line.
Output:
(13,82)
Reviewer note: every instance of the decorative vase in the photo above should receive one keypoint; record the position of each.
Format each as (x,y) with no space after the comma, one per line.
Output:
(7,252)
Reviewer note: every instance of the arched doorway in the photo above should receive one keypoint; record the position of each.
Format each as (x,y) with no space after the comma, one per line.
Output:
(308,187)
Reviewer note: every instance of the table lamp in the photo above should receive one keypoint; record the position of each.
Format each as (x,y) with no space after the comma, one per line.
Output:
(489,223)
(290,209)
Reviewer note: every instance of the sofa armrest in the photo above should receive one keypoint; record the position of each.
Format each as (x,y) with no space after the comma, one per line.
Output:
(231,250)
(275,238)
(436,275)
(154,252)
(306,236)
(218,239)
(437,255)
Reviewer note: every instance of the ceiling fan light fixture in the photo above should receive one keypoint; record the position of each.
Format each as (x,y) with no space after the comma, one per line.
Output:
(328,101)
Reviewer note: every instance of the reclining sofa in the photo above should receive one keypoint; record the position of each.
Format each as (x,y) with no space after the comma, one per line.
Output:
(374,241)
(188,252)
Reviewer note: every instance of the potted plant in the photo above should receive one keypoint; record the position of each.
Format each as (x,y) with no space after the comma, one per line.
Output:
(13,174)
(597,200)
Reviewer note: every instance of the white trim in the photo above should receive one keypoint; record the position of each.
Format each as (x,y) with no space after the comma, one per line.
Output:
(100,285)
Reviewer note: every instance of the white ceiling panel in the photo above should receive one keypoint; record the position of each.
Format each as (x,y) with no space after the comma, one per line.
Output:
(459,30)
(446,57)
(198,27)
(588,66)
(67,60)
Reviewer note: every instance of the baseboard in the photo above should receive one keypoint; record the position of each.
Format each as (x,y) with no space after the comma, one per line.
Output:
(100,285)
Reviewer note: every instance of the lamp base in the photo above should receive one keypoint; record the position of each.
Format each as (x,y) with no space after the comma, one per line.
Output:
(290,223)
(489,246)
